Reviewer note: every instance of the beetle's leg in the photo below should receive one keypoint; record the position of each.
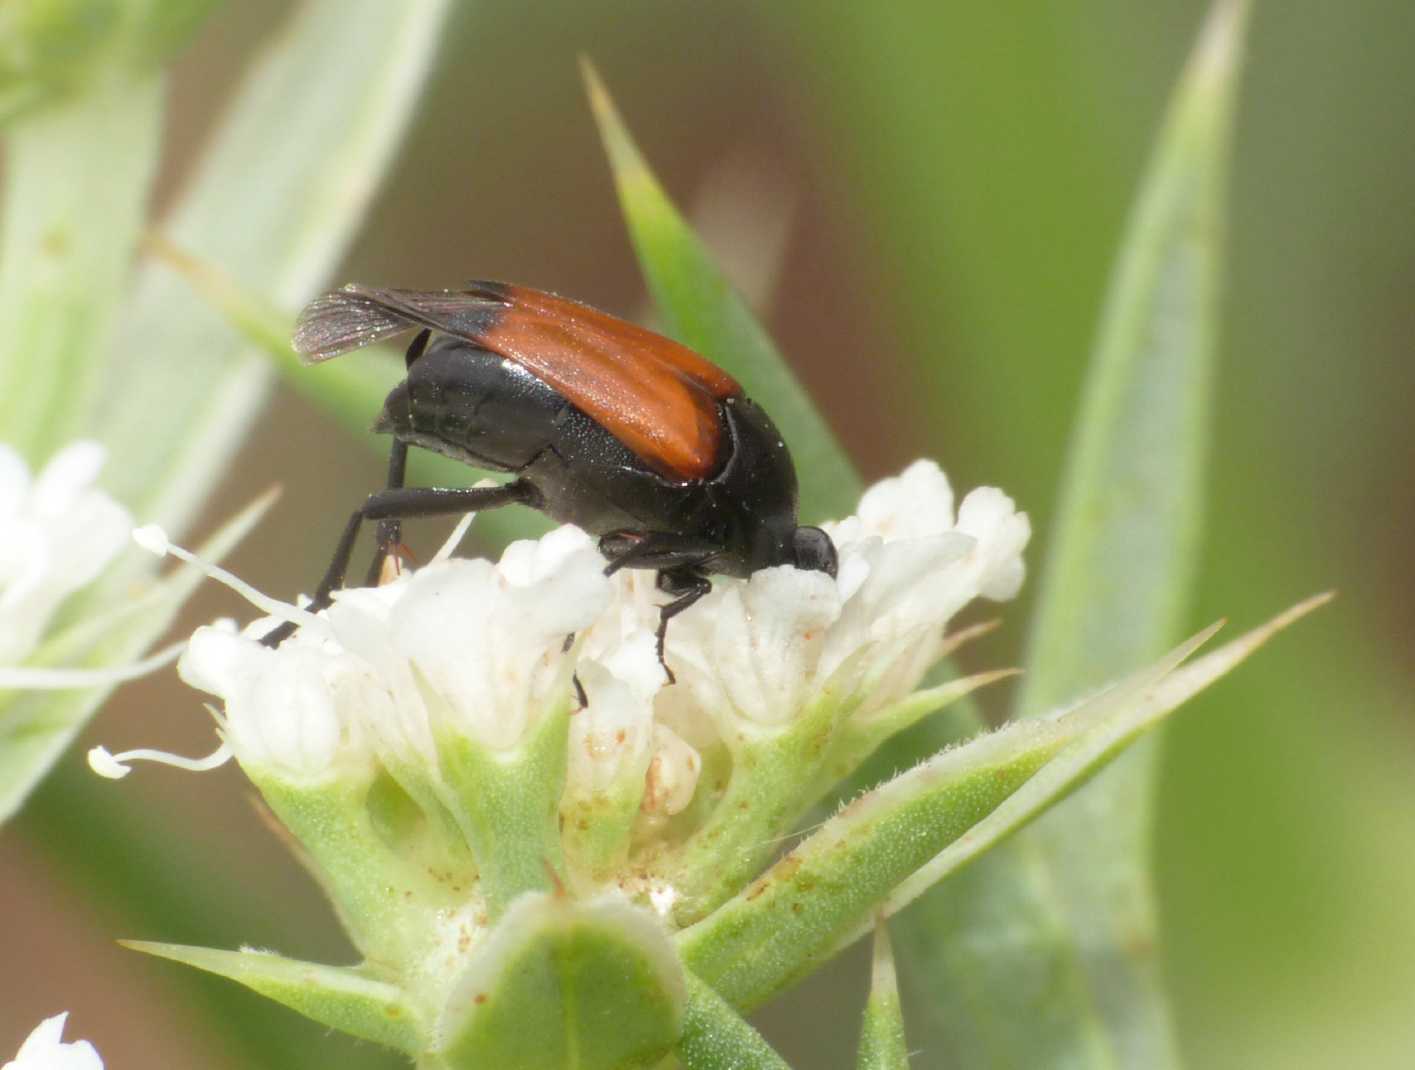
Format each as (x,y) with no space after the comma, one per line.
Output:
(580,695)
(402,502)
(687,584)
(390,529)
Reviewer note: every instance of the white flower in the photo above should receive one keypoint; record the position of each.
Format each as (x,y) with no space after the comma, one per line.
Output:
(57,532)
(466,648)
(759,651)
(295,710)
(491,639)
(672,776)
(44,1050)
(480,651)
(611,739)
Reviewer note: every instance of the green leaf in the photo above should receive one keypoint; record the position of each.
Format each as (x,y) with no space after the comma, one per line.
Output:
(1116,582)
(889,846)
(860,737)
(77,179)
(36,726)
(715,1037)
(344,79)
(1157,697)
(563,984)
(345,999)
(701,309)
(882,1045)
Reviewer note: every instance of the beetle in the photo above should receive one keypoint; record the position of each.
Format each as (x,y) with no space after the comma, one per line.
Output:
(602,424)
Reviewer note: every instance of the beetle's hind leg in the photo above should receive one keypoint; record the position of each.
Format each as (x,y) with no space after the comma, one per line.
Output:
(390,530)
(399,503)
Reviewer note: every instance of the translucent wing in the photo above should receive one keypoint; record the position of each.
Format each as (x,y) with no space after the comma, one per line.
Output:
(657,397)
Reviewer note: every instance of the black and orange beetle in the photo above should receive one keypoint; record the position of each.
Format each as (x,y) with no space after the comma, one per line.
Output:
(605,425)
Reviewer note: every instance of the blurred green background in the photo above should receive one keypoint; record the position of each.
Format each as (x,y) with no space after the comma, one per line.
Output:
(925,199)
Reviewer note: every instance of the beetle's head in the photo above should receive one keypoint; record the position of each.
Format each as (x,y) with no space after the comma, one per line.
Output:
(812,550)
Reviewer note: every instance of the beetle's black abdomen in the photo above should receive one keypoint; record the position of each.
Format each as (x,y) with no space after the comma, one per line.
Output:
(472,406)
(479,408)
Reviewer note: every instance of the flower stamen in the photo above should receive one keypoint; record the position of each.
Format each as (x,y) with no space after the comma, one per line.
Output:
(117,766)
(153,539)
(27,678)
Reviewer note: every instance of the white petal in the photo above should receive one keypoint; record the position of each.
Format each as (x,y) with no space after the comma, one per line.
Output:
(56,534)
(69,472)
(751,648)
(14,482)
(672,776)
(991,517)
(45,1049)
(918,501)
(282,707)
(610,739)
(490,639)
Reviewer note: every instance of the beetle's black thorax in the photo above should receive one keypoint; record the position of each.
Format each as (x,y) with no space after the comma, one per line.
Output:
(753,496)
(479,408)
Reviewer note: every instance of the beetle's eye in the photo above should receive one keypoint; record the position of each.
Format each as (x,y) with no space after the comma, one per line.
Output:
(814,551)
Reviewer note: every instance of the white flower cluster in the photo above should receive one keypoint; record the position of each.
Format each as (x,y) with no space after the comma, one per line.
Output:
(482,651)
(761,650)
(60,531)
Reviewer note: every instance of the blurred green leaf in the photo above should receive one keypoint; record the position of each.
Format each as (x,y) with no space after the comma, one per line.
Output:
(195,890)
(1118,576)
(882,1044)
(36,726)
(275,202)
(702,310)
(77,179)
(52,47)
(1153,695)
(715,1037)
